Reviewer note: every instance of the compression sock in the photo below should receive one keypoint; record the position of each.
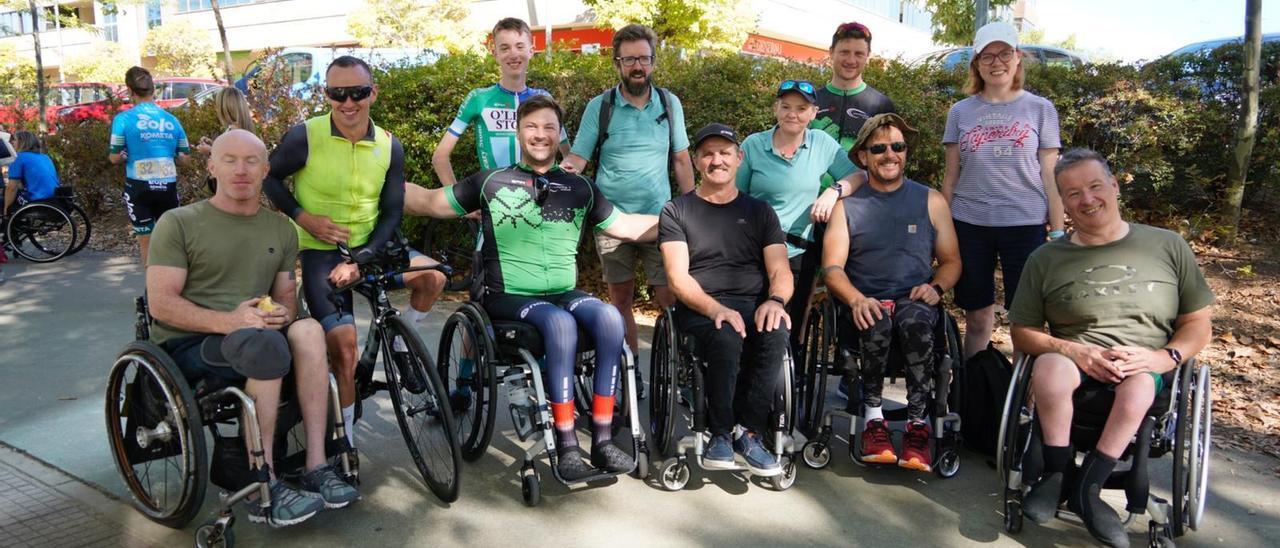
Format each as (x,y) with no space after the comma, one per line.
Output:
(601,419)
(562,418)
(349,421)
(870,414)
(1042,501)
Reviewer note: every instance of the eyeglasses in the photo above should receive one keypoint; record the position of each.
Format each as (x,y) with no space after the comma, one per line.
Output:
(854,28)
(356,93)
(1004,57)
(802,85)
(644,60)
(540,190)
(879,148)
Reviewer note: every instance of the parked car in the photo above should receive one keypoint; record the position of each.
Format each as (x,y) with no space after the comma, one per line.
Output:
(305,66)
(58,97)
(1032,54)
(170,92)
(1210,45)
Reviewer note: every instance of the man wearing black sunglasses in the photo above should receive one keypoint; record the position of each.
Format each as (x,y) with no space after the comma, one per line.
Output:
(348,179)
(877,258)
(846,102)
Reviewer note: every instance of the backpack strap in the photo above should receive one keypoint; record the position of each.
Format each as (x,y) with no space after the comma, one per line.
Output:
(671,126)
(608,98)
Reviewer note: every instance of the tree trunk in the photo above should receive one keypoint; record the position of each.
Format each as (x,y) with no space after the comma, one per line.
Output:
(1238,169)
(40,98)
(222,33)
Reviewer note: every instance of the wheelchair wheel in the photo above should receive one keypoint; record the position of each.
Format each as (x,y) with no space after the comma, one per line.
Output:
(1191,448)
(1015,426)
(83,228)
(214,535)
(41,233)
(153,426)
(463,336)
(787,478)
(674,474)
(424,414)
(663,386)
(820,359)
(455,245)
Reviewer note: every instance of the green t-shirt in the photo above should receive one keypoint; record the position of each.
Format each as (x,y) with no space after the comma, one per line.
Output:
(493,111)
(228,258)
(1127,292)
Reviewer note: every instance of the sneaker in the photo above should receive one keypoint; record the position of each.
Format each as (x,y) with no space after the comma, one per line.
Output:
(288,507)
(324,484)
(411,377)
(719,453)
(915,447)
(876,444)
(759,460)
(842,388)
(571,467)
(606,456)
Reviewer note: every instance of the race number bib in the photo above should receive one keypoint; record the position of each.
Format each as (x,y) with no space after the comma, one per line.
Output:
(155,169)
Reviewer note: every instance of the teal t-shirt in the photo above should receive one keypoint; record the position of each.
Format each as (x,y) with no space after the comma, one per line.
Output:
(1127,292)
(791,186)
(632,170)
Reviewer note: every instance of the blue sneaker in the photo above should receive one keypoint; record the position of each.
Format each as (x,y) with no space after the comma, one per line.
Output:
(759,460)
(719,453)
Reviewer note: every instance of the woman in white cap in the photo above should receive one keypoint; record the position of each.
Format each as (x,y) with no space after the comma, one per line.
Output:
(1001,145)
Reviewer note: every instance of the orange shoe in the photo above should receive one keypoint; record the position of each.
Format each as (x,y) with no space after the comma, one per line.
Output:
(915,447)
(876,444)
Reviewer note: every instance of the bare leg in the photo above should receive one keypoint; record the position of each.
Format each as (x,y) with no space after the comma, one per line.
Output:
(978,326)
(1053,380)
(1133,397)
(425,287)
(143,242)
(622,296)
(341,345)
(311,373)
(266,397)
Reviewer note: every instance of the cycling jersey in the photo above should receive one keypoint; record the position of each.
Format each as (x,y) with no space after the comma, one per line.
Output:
(532,224)
(152,137)
(841,113)
(493,110)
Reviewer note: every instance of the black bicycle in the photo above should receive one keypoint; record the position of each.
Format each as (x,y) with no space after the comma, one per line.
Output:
(417,394)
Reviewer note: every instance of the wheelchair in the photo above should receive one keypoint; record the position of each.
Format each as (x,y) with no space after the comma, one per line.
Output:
(832,347)
(1179,421)
(508,352)
(44,231)
(676,377)
(155,419)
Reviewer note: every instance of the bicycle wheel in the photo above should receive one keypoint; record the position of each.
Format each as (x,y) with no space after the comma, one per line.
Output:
(421,406)
(153,426)
(820,358)
(83,228)
(41,233)
(473,393)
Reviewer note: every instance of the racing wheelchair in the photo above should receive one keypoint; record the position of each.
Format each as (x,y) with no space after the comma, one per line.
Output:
(1178,422)
(155,418)
(832,348)
(676,375)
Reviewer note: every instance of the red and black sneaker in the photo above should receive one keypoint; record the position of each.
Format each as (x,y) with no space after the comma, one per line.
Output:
(876,444)
(915,447)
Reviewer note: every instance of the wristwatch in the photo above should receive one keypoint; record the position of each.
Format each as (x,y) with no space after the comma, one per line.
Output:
(1173,353)
(778,300)
(839,188)
(938,289)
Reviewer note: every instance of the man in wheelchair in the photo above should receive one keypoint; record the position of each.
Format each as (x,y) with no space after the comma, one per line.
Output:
(726,260)
(532,217)
(1125,304)
(878,256)
(221,288)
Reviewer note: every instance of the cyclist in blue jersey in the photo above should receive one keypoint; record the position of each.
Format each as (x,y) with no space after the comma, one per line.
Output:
(150,142)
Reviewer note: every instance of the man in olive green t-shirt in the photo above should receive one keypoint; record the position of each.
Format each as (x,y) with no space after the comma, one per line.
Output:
(225,266)
(1125,304)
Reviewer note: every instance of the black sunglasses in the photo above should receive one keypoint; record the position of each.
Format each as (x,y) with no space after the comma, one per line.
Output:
(356,93)
(540,190)
(879,148)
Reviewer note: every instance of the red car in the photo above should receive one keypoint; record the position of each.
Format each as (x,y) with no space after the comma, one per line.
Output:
(59,97)
(170,92)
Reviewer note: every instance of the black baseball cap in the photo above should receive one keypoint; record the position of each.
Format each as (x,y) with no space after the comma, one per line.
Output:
(715,130)
(253,352)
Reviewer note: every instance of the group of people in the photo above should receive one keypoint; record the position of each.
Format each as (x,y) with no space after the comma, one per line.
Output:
(823,195)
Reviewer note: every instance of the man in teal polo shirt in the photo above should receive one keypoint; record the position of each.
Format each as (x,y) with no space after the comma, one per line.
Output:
(643,139)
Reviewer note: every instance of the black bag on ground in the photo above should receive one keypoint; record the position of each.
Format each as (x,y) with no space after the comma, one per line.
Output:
(986,382)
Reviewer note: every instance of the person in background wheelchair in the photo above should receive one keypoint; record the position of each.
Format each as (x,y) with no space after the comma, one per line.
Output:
(221,288)
(726,260)
(878,255)
(532,217)
(1125,304)
(31,175)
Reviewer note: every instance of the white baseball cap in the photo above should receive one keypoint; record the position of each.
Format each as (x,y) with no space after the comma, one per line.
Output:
(997,31)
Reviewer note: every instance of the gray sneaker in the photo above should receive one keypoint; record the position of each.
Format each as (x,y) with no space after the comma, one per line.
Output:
(324,484)
(288,507)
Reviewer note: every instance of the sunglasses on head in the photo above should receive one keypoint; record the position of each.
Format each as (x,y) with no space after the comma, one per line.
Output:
(802,85)
(879,148)
(355,93)
(540,189)
(854,28)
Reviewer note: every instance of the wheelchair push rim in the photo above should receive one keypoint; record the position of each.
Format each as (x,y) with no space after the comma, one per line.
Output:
(474,420)
(41,233)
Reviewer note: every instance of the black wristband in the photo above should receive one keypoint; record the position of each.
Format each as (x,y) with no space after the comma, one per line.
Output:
(1173,353)
(938,289)
(778,300)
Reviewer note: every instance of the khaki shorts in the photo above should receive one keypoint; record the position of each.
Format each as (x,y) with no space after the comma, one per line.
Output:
(618,260)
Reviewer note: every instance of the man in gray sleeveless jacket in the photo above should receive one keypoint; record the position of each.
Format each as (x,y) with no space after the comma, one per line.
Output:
(877,259)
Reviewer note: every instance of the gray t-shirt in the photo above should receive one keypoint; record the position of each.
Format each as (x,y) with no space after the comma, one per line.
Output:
(1127,292)
(1000,181)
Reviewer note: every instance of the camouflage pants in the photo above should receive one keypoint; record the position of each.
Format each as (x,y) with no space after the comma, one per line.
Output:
(911,326)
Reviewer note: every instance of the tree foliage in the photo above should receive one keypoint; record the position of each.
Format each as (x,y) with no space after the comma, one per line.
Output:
(17,76)
(687,24)
(432,24)
(953,19)
(181,49)
(106,62)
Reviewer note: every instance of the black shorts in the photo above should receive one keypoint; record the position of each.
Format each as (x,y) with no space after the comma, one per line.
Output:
(316,266)
(145,202)
(185,352)
(980,247)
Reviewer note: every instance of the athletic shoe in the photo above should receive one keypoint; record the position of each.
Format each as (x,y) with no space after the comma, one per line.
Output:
(876,444)
(915,447)
(606,456)
(411,377)
(1041,503)
(842,388)
(288,507)
(324,484)
(759,460)
(571,466)
(719,453)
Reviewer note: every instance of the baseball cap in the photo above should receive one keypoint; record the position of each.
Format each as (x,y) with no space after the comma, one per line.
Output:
(878,121)
(253,352)
(714,130)
(803,87)
(997,31)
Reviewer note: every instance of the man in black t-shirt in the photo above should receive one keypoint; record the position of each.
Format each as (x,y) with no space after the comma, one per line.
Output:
(725,257)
